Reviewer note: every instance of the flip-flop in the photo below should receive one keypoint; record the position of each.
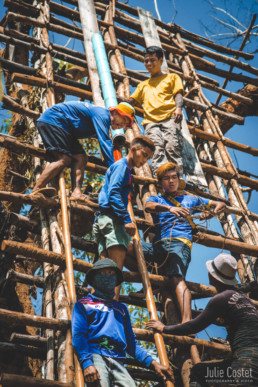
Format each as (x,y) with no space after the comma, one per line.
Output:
(47,191)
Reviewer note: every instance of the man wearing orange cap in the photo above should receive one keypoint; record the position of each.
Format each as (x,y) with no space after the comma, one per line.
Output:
(63,124)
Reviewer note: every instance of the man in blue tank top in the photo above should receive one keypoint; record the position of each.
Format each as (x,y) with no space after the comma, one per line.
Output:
(63,124)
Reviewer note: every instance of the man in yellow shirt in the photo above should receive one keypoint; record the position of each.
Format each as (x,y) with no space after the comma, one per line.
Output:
(161,98)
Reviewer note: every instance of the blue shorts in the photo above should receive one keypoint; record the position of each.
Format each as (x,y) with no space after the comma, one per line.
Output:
(58,140)
(176,254)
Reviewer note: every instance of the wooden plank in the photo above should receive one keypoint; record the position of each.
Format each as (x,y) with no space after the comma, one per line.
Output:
(192,166)
(150,33)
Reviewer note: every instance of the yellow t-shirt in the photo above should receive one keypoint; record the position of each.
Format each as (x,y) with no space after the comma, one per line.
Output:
(156,96)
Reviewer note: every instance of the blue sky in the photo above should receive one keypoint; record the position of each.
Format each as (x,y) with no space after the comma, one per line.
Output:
(191,15)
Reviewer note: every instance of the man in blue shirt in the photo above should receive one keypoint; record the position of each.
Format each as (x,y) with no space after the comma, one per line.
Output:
(102,332)
(114,227)
(171,249)
(63,124)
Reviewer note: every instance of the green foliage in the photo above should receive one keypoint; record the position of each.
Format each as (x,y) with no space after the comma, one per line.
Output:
(6,123)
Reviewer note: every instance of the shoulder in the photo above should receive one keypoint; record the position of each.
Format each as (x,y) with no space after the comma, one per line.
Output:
(121,308)
(221,297)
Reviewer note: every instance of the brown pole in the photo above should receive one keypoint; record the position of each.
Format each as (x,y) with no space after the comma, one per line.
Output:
(162,353)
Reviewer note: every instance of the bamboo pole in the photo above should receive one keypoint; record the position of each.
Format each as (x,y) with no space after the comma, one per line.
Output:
(50,98)
(10,380)
(37,341)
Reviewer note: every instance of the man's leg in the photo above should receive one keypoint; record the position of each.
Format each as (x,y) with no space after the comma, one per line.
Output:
(117,254)
(183,296)
(52,170)
(120,375)
(130,258)
(153,132)
(174,142)
(79,162)
(103,370)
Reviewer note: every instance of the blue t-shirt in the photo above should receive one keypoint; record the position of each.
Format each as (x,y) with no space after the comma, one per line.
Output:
(82,120)
(113,197)
(104,328)
(167,225)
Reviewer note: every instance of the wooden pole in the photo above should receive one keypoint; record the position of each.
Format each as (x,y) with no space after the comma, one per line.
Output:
(10,380)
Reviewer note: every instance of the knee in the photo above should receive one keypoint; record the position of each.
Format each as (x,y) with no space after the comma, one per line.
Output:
(81,159)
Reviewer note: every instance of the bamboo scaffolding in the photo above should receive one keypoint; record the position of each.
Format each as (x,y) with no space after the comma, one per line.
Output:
(76,57)
(222,158)
(224,169)
(135,24)
(18,318)
(139,40)
(170,28)
(79,92)
(25,278)
(41,255)
(10,380)
(233,64)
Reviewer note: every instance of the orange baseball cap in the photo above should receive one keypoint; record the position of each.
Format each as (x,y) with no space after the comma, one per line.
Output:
(125,109)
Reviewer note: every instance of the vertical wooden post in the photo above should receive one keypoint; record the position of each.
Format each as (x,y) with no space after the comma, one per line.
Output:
(67,239)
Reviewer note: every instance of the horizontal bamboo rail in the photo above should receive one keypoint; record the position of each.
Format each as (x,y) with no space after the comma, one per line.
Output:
(18,318)
(18,147)
(19,338)
(25,278)
(32,11)
(23,350)
(183,32)
(86,94)
(11,380)
(42,255)
(128,35)
(229,143)
(77,58)
(10,104)
(242,179)
(134,23)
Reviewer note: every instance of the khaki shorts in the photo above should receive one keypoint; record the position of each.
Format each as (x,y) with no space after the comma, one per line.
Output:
(109,232)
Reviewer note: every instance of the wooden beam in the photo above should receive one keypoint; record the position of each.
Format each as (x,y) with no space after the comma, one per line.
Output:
(67,89)
(214,138)
(18,318)
(11,380)
(58,259)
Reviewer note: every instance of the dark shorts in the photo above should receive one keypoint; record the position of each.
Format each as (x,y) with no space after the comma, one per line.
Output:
(57,139)
(176,254)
